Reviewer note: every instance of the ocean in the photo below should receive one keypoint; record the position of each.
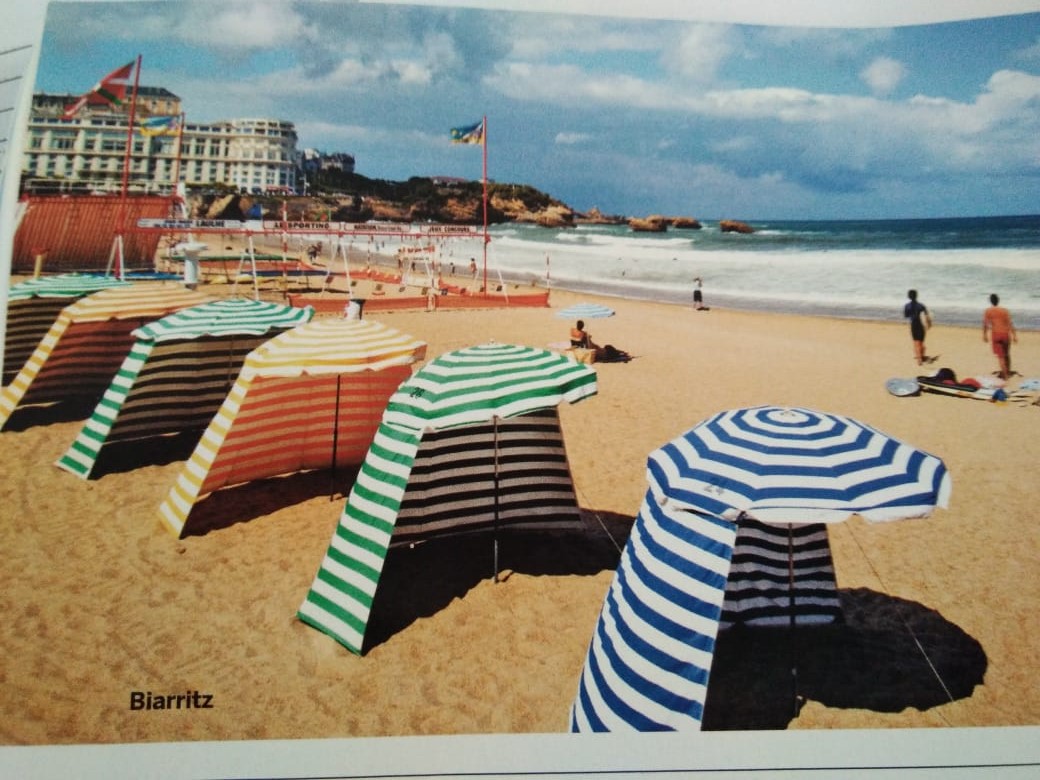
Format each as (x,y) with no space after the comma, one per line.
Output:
(854,269)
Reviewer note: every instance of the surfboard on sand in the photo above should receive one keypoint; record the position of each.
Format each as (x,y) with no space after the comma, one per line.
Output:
(902,387)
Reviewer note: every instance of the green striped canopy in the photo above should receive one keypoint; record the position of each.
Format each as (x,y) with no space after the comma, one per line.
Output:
(227,317)
(178,373)
(493,380)
(62,286)
(471,442)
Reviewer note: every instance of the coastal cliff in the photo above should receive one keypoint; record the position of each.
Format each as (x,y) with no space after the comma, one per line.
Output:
(359,199)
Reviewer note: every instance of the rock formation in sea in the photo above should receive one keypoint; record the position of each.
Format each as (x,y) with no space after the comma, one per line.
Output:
(735,226)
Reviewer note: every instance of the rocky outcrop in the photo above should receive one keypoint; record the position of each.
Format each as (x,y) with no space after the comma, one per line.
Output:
(658,223)
(685,223)
(733,226)
(596,217)
(651,224)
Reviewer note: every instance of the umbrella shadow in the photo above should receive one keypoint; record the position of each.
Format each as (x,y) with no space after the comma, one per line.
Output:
(880,658)
(420,580)
(241,503)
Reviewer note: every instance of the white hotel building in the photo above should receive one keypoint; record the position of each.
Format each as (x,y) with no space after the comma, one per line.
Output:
(87,152)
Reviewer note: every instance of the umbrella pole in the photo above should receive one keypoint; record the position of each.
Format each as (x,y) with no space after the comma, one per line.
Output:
(793,628)
(494,421)
(335,443)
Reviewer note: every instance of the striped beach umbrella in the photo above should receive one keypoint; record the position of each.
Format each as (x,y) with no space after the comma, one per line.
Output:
(311,397)
(88,341)
(177,373)
(34,304)
(649,660)
(585,311)
(471,442)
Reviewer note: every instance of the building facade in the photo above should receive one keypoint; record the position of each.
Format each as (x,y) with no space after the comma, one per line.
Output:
(88,151)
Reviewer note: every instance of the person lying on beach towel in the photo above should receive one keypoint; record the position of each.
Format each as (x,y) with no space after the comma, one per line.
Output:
(611,354)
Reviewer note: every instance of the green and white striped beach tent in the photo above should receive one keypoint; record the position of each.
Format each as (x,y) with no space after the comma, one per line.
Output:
(89,340)
(34,304)
(472,442)
(178,373)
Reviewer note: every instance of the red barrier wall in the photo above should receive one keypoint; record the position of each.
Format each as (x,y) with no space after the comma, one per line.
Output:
(77,231)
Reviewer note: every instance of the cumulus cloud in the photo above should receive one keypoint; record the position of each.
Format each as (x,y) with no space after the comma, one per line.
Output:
(883,75)
(700,51)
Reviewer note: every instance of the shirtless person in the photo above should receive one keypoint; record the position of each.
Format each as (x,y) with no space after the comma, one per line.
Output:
(998,329)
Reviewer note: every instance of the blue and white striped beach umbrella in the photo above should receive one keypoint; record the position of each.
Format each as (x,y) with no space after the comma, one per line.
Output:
(585,311)
(650,657)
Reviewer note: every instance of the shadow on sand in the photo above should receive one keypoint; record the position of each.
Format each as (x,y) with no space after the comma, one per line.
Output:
(422,580)
(870,661)
(70,410)
(248,501)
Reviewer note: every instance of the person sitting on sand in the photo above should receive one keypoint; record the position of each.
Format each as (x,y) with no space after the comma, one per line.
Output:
(580,337)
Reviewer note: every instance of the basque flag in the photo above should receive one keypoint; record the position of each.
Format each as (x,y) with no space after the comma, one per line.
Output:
(111,90)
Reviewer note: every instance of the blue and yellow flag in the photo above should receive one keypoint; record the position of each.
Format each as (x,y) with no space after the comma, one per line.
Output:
(159,125)
(474,134)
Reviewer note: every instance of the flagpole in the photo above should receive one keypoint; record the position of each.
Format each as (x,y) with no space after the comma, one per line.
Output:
(177,159)
(130,127)
(485,181)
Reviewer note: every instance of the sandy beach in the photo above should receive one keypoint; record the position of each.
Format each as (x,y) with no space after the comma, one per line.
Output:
(101,602)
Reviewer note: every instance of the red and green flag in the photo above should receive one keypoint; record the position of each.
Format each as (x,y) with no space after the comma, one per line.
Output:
(111,90)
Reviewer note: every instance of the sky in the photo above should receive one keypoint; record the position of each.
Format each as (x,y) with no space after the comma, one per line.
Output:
(633,116)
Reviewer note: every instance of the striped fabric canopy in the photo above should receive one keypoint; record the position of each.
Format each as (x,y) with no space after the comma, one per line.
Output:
(34,304)
(178,373)
(781,465)
(470,443)
(650,657)
(311,397)
(88,341)
(585,311)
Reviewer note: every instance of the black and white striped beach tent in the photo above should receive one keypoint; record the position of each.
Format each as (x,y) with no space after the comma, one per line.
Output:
(752,486)
(471,442)
(178,373)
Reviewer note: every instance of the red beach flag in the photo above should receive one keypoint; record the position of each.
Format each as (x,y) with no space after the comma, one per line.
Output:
(111,90)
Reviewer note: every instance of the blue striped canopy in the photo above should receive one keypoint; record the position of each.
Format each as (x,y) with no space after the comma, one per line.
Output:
(585,311)
(784,465)
(650,656)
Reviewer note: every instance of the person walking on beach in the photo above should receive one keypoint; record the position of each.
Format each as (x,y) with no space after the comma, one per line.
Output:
(920,321)
(999,330)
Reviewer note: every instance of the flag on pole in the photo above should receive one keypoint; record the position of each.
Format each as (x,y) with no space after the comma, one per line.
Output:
(159,125)
(110,90)
(473,134)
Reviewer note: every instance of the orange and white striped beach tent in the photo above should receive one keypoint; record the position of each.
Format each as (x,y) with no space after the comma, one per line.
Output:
(309,398)
(88,341)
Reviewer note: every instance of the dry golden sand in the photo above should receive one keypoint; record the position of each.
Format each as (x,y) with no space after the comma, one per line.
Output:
(99,601)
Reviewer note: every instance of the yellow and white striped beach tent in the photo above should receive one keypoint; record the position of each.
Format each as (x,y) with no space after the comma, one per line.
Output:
(88,341)
(310,398)
(34,304)
(177,373)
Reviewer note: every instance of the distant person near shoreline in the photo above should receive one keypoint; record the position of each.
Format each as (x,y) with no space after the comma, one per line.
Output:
(999,330)
(698,295)
(920,321)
